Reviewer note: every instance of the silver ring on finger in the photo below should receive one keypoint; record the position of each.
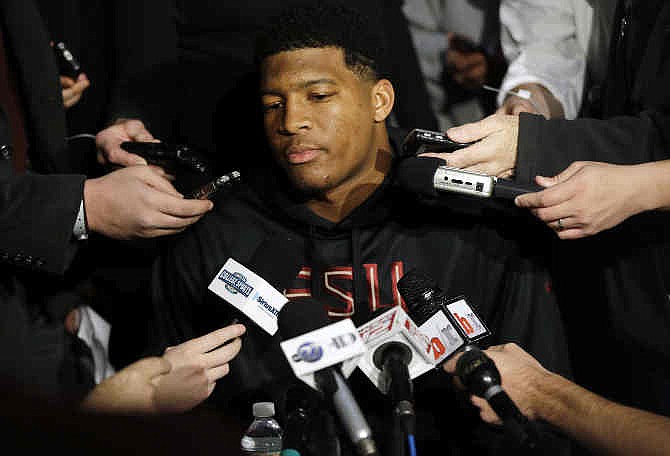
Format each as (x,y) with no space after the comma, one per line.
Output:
(559,225)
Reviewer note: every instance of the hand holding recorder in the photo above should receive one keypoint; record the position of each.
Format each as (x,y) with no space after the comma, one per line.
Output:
(429,177)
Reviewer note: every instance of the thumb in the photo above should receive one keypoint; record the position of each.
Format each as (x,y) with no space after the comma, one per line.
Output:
(152,367)
(564,175)
(153,178)
(546,182)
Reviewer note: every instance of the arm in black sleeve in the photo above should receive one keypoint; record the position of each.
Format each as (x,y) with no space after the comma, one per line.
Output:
(37,214)
(547,147)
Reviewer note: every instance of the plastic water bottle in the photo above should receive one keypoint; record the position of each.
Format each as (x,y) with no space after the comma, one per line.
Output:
(264,435)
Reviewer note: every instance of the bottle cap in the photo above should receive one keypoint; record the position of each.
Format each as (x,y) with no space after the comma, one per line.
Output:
(263,409)
(290,452)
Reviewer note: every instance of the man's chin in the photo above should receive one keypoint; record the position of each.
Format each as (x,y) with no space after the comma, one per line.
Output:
(308,187)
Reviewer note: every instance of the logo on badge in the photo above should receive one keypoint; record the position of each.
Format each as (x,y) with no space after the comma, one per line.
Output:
(308,352)
(235,283)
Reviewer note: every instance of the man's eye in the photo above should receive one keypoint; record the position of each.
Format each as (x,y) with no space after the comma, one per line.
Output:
(320,96)
(271,106)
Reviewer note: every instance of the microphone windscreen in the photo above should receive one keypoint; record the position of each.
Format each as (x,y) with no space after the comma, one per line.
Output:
(415,175)
(414,285)
(477,371)
(300,317)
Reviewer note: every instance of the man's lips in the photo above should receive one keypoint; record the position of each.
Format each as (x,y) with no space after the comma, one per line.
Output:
(302,154)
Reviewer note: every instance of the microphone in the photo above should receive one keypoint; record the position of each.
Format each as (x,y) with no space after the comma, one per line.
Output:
(481,377)
(454,326)
(396,353)
(256,287)
(450,324)
(315,350)
(429,176)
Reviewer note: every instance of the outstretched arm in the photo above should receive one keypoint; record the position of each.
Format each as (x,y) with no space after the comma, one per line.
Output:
(594,421)
(589,197)
(176,382)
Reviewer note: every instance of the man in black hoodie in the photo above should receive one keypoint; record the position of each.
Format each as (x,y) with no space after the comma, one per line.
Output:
(323,220)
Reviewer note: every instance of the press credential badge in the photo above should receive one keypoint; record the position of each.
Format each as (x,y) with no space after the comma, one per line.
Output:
(249,293)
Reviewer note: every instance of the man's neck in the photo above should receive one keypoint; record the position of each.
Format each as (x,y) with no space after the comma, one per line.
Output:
(339,202)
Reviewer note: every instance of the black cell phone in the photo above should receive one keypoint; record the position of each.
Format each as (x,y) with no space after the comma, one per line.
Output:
(208,190)
(155,153)
(168,156)
(68,65)
(419,141)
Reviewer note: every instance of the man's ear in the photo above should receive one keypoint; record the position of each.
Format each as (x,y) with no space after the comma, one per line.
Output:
(383,98)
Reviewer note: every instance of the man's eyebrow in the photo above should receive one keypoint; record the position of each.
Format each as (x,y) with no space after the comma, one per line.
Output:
(312,82)
(302,85)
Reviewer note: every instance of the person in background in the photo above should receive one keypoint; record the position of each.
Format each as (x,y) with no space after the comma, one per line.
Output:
(41,265)
(547,44)
(85,28)
(458,46)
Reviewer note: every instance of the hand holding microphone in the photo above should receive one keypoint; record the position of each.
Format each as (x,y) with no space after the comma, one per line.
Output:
(479,375)
(453,327)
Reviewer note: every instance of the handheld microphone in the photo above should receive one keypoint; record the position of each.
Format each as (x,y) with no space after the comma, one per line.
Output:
(481,377)
(315,349)
(393,358)
(428,176)
(384,336)
(450,324)
(396,353)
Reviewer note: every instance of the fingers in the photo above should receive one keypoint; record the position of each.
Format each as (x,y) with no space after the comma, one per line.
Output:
(137,131)
(72,87)
(73,90)
(218,372)
(118,156)
(176,209)
(66,82)
(215,339)
(523,106)
(224,354)
(450,365)
(479,157)
(155,177)
(108,142)
(476,130)
(553,196)
(570,171)
(485,411)
(442,155)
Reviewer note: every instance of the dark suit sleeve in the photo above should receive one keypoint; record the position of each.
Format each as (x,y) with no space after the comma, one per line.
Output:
(547,147)
(146,60)
(37,214)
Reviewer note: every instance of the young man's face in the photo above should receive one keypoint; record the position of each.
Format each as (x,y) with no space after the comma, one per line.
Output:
(320,119)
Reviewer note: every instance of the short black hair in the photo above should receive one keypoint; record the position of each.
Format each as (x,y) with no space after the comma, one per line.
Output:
(326,24)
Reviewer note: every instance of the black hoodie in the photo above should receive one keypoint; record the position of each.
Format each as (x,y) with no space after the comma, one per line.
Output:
(492,258)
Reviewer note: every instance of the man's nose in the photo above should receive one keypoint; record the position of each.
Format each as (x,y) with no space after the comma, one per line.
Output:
(296,118)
